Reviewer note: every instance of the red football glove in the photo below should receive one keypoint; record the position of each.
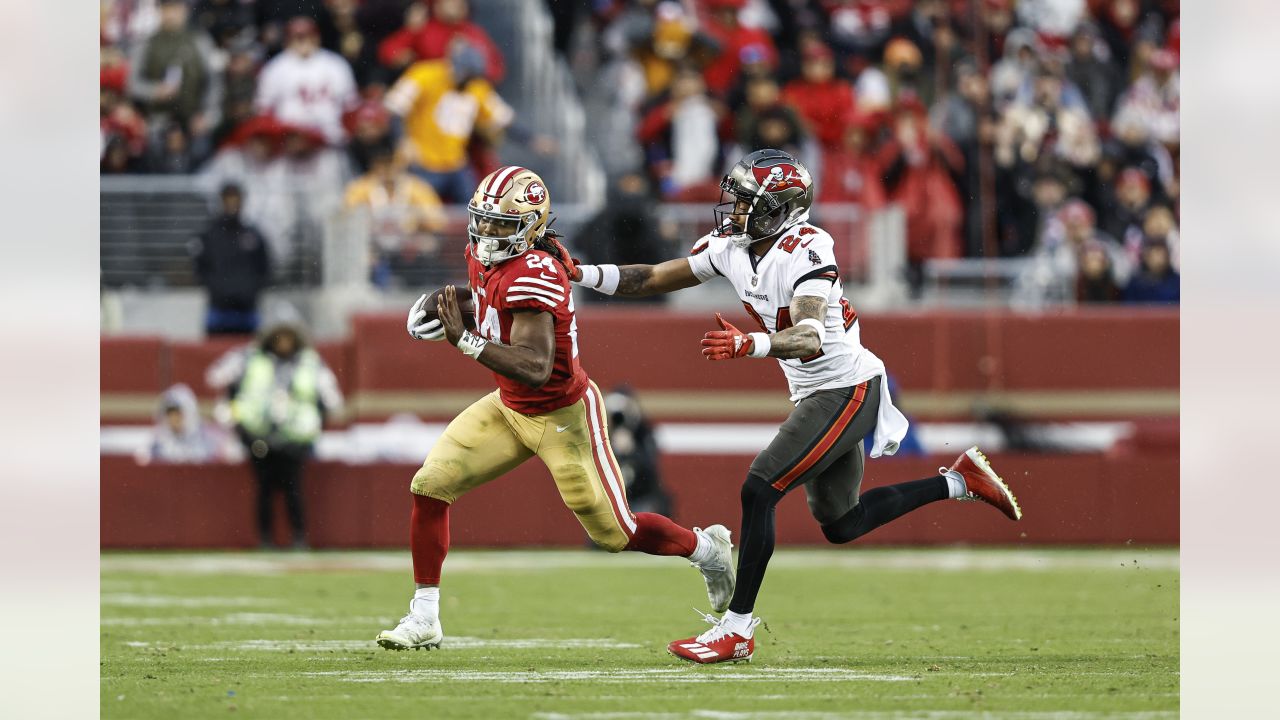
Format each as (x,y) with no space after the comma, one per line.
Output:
(726,343)
(561,253)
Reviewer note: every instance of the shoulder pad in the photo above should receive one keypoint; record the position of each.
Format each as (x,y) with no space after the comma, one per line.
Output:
(710,241)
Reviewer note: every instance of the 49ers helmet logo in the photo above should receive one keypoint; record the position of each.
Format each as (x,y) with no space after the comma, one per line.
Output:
(534,194)
(778,177)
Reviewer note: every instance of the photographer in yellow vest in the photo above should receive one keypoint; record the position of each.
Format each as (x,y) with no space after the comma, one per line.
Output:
(280,391)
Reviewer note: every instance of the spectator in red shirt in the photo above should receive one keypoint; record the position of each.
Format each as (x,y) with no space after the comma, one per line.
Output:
(918,164)
(123,130)
(396,50)
(850,173)
(822,99)
(733,38)
(430,41)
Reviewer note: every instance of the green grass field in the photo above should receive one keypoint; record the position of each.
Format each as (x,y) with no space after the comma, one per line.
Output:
(854,633)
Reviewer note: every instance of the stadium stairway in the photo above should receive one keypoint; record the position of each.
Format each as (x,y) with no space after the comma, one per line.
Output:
(540,87)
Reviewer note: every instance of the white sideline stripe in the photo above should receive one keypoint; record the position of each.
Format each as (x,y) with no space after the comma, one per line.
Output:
(373,441)
(620,676)
(140,600)
(864,714)
(450,643)
(531,297)
(930,559)
(248,619)
(539,281)
(603,457)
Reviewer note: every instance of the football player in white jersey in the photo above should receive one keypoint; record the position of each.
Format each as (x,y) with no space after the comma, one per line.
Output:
(784,270)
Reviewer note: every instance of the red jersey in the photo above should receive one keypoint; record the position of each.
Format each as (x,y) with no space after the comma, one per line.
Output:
(532,281)
(825,106)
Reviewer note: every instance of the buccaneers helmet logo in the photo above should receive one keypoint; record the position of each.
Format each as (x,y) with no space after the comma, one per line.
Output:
(535,193)
(778,177)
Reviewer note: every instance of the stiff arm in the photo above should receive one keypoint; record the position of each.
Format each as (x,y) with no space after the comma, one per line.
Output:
(639,280)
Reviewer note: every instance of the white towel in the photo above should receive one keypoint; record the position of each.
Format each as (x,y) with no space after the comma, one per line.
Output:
(891,424)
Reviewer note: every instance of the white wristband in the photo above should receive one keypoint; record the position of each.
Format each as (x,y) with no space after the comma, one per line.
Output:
(601,278)
(760,345)
(471,344)
(816,325)
(590,276)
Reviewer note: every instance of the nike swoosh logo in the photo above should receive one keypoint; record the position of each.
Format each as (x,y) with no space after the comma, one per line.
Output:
(545,276)
(561,428)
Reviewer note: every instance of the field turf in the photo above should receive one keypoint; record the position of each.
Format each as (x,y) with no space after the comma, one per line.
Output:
(853,633)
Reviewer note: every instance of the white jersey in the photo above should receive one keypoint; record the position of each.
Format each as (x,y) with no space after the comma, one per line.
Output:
(310,92)
(802,263)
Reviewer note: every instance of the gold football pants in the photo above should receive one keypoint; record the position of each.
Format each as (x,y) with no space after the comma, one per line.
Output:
(488,439)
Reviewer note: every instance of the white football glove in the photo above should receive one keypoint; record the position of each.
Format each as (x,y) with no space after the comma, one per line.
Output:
(418,330)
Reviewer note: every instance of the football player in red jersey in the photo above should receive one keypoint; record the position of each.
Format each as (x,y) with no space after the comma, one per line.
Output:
(545,405)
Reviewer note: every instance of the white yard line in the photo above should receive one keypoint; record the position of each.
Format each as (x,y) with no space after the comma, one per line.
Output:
(247,619)
(450,643)
(860,715)
(118,599)
(934,559)
(650,675)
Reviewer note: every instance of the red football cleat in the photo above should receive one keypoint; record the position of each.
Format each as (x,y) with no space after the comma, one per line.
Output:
(984,484)
(719,644)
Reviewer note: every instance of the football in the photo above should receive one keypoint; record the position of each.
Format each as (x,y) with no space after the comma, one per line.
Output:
(464,303)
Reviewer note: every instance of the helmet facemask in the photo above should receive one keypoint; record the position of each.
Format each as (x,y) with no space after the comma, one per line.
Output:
(769,192)
(762,222)
(493,249)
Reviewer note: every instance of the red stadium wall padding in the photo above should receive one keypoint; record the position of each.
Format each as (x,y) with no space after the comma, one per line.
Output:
(133,364)
(1090,351)
(938,351)
(190,360)
(1067,499)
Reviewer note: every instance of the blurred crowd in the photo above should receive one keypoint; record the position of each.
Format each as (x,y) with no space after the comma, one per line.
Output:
(1043,129)
(307,105)
(1003,128)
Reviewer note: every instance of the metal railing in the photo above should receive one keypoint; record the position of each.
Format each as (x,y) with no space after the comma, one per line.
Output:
(346,257)
(149,222)
(540,87)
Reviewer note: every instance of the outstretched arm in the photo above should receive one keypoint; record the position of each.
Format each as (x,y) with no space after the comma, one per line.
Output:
(628,280)
(641,280)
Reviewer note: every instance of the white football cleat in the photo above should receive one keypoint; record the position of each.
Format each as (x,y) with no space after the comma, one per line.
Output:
(413,633)
(719,570)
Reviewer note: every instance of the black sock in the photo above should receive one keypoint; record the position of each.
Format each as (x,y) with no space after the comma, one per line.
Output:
(755,543)
(879,506)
